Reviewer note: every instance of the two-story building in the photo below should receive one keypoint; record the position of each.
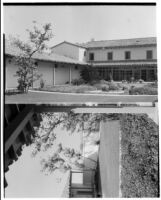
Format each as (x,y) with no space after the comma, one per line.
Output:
(117,59)
(124,59)
(121,59)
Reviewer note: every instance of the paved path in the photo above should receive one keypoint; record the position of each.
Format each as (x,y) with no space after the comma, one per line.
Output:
(41,97)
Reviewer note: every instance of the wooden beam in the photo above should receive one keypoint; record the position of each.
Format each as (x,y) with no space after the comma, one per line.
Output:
(16,126)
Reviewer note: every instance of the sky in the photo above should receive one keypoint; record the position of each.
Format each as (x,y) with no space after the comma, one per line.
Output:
(82,23)
(25,179)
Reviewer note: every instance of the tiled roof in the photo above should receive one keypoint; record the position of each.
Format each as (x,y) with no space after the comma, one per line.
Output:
(121,43)
(14,51)
(133,63)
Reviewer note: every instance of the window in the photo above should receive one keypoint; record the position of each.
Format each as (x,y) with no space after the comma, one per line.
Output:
(85,53)
(127,55)
(149,54)
(110,56)
(91,56)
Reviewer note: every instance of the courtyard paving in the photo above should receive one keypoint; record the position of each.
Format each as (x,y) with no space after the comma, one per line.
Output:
(48,97)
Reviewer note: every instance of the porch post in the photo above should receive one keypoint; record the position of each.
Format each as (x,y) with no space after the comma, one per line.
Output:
(132,72)
(70,75)
(54,75)
(146,74)
(112,73)
(140,73)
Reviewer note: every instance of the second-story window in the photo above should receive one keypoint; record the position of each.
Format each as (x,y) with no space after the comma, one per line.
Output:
(149,54)
(127,55)
(91,56)
(110,56)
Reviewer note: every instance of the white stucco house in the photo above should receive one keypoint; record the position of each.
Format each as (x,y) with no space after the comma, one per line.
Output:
(121,59)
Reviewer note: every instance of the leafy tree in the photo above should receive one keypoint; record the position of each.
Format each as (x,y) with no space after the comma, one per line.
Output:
(89,74)
(65,158)
(82,122)
(27,71)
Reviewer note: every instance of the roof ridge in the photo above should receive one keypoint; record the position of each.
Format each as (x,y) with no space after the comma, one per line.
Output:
(120,39)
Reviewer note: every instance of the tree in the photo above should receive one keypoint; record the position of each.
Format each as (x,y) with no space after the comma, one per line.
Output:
(82,122)
(27,71)
(63,159)
(89,74)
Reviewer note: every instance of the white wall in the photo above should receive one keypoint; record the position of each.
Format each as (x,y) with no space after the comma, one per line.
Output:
(61,74)
(75,72)
(47,71)
(137,53)
(10,70)
(69,50)
(81,54)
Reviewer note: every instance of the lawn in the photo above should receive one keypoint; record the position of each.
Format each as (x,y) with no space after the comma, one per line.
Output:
(45,97)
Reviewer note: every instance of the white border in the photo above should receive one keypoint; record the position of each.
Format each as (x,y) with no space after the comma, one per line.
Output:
(158,6)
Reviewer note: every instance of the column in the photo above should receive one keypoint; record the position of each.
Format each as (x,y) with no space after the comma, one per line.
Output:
(54,75)
(70,75)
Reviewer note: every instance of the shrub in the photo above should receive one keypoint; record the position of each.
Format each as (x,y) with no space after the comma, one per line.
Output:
(113,86)
(100,86)
(105,88)
(125,88)
(103,82)
(139,156)
(141,81)
(93,82)
(143,90)
(42,83)
(124,81)
(132,79)
(84,88)
(77,81)
(154,84)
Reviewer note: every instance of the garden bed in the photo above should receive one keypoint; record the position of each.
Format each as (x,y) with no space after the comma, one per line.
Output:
(68,88)
(139,156)
(146,90)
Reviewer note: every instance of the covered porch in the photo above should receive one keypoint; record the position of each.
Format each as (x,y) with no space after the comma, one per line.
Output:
(119,72)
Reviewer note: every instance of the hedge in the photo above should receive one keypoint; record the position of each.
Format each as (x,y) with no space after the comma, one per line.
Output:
(139,156)
(143,90)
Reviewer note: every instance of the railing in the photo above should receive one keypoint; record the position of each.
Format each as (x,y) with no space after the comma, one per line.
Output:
(82,189)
